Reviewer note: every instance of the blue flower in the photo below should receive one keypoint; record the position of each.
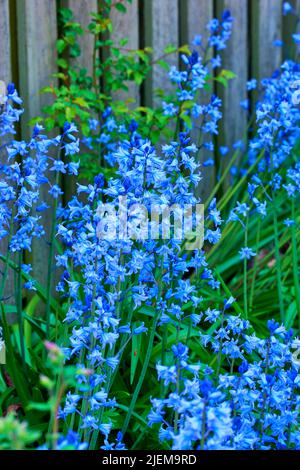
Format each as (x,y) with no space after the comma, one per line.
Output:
(246,253)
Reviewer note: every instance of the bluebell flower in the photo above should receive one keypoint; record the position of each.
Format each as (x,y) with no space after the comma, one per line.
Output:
(287,8)
(246,253)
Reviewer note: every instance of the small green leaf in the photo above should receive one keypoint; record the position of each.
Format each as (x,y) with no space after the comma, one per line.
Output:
(120,7)
(185,49)
(39,406)
(60,45)
(228,74)
(187,119)
(170,49)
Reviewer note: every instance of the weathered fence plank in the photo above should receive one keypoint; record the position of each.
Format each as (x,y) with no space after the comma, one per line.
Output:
(266,27)
(160,29)
(5,76)
(290,26)
(194,17)
(5,55)
(81,13)
(37,34)
(126,25)
(235,59)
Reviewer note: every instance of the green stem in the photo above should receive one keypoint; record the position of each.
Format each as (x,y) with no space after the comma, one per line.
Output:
(221,346)
(203,426)
(245,273)
(295,261)
(19,305)
(143,373)
(51,253)
(224,175)
(255,266)
(278,263)
(229,194)
(7,259)
(5,273)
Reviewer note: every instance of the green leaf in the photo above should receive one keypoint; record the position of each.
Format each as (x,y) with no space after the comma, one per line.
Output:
(41,292)
(39,406)
(235,305)
(135,354)
(225,76)
(3,397)
(163,64)
(120,7)
(138,78)
(187,119)
(123,42)
(145,310)
(170,49)
(185,49)
(60,45)
(188,105)
(35,326)
(290,316)
(46,89)
(228,74)
(62,63)
(222,80)
(12,363)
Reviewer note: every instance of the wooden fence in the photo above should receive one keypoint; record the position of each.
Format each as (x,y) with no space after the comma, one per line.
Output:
(29,29)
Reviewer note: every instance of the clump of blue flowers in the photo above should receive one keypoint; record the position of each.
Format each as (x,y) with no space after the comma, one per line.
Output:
(147,328)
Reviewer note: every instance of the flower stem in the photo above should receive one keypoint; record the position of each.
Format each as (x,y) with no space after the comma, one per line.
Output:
(143,373)
(295,262)
(278,263)
(245,273)
(51,253)
(255,266)
(19,304)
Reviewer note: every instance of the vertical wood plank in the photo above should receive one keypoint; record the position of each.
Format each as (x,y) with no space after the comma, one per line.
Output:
(5,76)
(81,13)
(5,50)
(126,25)
(194,17)
(235,59)
(288,27)
(37,34)
(161,28)
(266,19)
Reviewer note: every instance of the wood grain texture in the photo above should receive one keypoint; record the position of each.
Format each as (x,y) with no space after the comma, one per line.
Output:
(126,25)
(266,19)
(235,59)
(194,17)
(290,26)
(161,28)
(5,76)
(37,34)
(81,13)
(5,51)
